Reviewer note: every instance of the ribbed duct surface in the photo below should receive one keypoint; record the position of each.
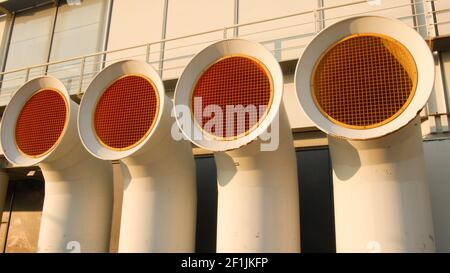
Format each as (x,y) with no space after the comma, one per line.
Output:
(126,112)
(41,122)
(364,81)
(233,81)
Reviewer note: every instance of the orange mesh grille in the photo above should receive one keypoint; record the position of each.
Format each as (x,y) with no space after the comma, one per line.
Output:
(232,81)
(41,122)
(364,81)
(125,112)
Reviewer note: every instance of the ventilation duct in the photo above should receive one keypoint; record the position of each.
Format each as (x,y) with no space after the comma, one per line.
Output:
(229,100)
(363,81)
(39,127)
(125,115)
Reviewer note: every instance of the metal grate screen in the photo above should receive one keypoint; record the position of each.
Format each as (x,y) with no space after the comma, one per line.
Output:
(41,122)
(126,112)
(364,81)
(240,88)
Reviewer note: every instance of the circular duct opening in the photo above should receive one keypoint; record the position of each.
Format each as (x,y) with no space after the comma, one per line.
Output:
(41,123)
(240,88)
(126,112)
(364,81)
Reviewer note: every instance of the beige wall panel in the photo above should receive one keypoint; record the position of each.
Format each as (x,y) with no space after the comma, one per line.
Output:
(79,30)
(287,37)
(135,22)
(400,9)
(29,46)
(190,17)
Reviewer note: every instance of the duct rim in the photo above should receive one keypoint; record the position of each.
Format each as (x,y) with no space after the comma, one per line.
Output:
(152,125)
(198,64)
(392,28)
(261,118)
(12,111)
(61,134)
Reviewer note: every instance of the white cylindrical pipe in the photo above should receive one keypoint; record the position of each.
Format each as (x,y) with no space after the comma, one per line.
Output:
(160,197)
(159,202)
(77,211)
(3,190)
(258,199)
(381,195)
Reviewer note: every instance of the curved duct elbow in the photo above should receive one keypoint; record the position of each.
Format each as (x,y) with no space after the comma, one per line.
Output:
(229,100)
(125,115)
(364,81)
(39,127)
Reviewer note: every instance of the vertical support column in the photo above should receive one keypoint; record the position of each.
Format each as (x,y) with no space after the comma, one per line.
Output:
(381,195)
(52,35)
(321,14)
(163,37)
(107,27)
(236,18)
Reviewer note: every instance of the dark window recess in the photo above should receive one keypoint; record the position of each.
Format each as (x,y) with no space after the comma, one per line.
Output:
(206,205)
(316,201)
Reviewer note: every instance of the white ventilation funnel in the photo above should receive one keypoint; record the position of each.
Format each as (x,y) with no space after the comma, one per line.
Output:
(125,115)
(39,127)
(258,204)
(363,81)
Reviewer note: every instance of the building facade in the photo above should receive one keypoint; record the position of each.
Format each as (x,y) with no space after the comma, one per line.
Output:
(75,40)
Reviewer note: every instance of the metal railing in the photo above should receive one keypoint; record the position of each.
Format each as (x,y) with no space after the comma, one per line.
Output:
(285,36)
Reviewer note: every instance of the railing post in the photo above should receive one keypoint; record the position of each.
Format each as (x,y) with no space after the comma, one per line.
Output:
(103,61)
(420,17)
(147,53)
(319,20)
(320,15)
(83,62)
(27,74)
